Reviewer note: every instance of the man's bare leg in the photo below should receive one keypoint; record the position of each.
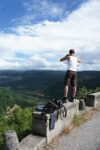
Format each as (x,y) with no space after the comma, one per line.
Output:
(66,91)
(65,94)
(74,91)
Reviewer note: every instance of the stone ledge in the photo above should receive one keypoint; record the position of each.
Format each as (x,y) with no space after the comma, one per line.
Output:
(41,122)
(41,127)
(32,142)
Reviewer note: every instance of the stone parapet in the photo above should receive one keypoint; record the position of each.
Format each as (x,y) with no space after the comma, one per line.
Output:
(42,134)
(41,122)
(32,142)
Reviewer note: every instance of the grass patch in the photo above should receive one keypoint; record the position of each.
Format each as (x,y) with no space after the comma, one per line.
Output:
(79,119)
(82,118)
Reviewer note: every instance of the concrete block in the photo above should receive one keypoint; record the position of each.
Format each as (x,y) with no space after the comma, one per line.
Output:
(93,99)
(81,104)
(41,122)
(11,141)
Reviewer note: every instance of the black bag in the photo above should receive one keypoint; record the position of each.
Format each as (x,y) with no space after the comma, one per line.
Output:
(50,107)
(59,103)
(61,110)
(55,105)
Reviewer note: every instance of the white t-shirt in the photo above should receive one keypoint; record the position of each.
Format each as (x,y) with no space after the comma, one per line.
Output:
(72,63)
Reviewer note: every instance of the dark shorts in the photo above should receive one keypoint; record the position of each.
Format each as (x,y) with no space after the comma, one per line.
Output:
(70,78)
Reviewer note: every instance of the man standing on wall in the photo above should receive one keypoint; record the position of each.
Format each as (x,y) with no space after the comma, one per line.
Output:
(70,77)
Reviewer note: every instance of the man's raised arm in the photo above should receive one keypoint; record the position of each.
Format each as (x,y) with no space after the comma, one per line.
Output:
(64,58)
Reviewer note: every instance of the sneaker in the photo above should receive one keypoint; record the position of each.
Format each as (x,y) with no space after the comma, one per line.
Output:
(65,100)
(72,99)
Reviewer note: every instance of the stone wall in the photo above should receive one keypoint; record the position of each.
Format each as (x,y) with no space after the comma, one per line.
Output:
(41,122)
(42,134)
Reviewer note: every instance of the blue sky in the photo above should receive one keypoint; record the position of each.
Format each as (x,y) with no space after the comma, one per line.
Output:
(34,32)
(12,11)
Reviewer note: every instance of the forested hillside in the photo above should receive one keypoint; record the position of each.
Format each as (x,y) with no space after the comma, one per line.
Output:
(27,88)
(45,83)
(9,97)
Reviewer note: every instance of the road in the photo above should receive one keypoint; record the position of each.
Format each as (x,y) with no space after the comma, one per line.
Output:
(85,137)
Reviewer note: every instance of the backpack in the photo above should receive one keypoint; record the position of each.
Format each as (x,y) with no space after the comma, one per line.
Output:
(55,105)
(49,107)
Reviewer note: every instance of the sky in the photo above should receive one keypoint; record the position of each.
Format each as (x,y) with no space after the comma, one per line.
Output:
(35,34)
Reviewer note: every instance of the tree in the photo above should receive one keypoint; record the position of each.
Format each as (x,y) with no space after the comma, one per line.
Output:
(83,92)
(19,120)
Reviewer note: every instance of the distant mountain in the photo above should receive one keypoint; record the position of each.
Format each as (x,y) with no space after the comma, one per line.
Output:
(89,79)
(46,83)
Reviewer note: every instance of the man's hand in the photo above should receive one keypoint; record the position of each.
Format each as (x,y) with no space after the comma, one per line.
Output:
(79,61)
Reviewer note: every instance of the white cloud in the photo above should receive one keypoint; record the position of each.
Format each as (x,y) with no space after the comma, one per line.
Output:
(6,65)
(80,30)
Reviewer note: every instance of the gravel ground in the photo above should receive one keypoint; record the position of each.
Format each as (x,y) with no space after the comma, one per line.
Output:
(85,137)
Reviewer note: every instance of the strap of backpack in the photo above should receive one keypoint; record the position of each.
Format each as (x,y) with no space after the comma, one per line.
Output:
(63,112)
